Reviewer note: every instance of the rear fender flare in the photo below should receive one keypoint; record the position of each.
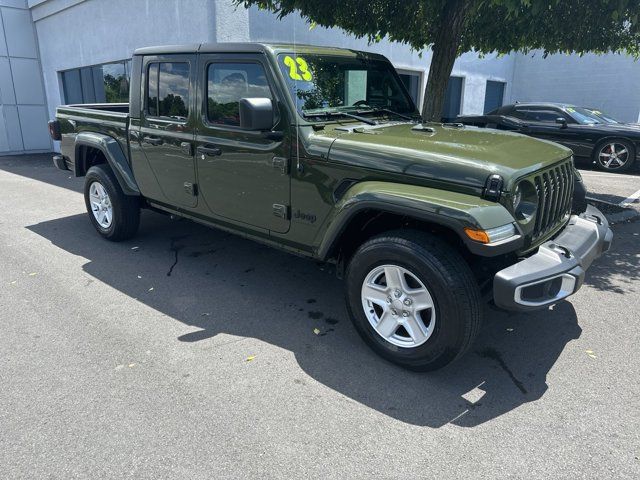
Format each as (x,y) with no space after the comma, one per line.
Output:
(116,158)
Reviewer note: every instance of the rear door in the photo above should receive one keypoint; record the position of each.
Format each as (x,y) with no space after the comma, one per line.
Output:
(166,133)
(243,175)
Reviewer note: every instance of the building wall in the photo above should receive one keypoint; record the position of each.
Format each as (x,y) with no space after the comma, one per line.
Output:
(23,114)
(115,29)
(125,25)
(80,33)
(607,82)
(265,27)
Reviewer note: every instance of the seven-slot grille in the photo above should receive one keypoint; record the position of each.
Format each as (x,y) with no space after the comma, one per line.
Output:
(555,194)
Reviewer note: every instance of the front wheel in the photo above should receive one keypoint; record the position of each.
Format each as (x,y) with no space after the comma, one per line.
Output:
(615,155)
(114,215)
(413,299)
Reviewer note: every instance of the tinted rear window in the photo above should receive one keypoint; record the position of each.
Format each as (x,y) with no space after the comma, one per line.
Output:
(168,90)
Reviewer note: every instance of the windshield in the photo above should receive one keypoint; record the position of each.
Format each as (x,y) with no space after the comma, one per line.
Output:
(606,118)
(321,85)
(587,116)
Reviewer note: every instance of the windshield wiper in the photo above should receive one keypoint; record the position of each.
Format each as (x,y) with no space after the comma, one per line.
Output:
(375,110)
(337,114)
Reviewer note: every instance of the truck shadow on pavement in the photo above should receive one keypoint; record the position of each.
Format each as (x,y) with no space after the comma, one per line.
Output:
(222,284)
(623,258)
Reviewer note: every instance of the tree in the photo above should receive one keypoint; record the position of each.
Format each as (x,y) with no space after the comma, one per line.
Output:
(453,27)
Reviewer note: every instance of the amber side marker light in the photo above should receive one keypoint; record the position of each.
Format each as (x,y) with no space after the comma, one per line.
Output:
(491,235)
(477,235)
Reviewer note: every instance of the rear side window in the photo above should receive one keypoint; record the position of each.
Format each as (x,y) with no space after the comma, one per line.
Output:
(227,83)
(537,115)
(168,90)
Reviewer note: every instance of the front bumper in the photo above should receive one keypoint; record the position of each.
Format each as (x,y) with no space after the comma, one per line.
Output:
(60,162)
(557,269)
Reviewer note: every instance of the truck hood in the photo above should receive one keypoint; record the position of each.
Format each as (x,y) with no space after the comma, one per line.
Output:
(461,155)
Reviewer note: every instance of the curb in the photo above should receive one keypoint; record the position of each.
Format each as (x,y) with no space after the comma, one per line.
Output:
(614,212)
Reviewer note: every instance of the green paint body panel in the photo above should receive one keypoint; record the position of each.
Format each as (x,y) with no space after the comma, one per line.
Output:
(334,169)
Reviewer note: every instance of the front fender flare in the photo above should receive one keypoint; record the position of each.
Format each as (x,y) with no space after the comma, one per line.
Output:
(449,209)
(114,155)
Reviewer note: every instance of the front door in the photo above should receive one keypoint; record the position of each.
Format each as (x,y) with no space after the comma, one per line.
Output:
(166,134)
(243,175)
(541,122)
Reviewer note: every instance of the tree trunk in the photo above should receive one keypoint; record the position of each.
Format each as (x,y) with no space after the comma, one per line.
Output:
(445,50)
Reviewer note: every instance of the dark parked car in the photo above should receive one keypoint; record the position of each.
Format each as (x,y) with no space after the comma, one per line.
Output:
(591,134)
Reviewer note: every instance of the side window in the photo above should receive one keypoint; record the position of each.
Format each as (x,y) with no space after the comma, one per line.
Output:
(521,114)
(227,83)
(152,90)
(546,116)
(168,90)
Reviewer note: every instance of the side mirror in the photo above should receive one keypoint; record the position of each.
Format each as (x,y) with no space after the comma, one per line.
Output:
(256,114)
(562,122)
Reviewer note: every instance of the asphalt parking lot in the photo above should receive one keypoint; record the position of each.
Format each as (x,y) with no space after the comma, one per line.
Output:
(189,353)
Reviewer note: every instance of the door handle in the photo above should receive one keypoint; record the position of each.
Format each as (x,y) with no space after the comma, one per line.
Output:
(209,150)
(153,140)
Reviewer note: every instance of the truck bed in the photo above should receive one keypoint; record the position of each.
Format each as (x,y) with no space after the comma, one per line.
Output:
(104,107)
(109,118)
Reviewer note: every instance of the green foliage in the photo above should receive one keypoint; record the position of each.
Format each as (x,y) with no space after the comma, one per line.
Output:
(116,88)
(502,26)
(328,86)
(226,113)
(173,106)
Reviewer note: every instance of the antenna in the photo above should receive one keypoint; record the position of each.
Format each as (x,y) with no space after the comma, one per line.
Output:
(295,98)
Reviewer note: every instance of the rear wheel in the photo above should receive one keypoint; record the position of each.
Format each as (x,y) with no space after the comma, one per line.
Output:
(615,155)
(413,299)
(114,215)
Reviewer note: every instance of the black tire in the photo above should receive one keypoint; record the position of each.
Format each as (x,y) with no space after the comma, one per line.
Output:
(125,208)
(452,285)
(602,147)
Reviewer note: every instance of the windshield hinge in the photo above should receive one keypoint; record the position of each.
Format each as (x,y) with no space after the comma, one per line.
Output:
(281,211)
(191,188)
(493,187)
(281,164)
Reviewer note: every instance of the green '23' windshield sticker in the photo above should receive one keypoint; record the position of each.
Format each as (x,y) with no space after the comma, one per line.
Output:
(298,68)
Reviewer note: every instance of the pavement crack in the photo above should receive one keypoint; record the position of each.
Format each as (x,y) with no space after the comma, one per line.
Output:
(494,355)
(175,247)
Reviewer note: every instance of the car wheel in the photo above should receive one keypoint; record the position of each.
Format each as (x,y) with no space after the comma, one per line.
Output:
(615,155)
(114,215)
(413,299)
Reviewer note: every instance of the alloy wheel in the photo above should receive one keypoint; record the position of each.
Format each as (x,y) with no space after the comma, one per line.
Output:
(613,155)
(398,306)
(100,205)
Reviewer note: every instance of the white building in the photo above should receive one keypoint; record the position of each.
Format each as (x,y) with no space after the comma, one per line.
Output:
(73,51)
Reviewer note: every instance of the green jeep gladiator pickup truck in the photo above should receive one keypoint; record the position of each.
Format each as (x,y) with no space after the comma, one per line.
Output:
(321,152)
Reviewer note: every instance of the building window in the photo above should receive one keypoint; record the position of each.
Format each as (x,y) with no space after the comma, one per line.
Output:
(168,90)
(493,95)
(452,99)
(413,82)
(72,86)
(227,83)
(105,83)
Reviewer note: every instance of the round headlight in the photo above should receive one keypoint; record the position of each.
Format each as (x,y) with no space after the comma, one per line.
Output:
(517,197)
(525,201)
